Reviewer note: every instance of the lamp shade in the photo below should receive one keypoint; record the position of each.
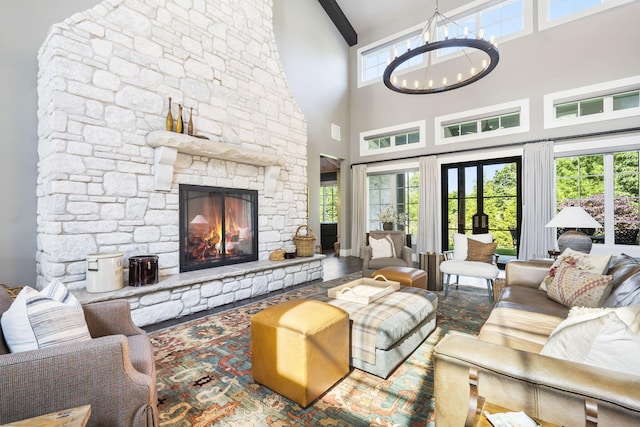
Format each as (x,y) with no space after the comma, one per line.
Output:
(573,217)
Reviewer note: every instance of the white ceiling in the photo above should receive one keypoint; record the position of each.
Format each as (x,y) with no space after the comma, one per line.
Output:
(365,15)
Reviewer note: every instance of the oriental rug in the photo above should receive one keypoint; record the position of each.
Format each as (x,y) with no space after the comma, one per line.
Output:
(204,372)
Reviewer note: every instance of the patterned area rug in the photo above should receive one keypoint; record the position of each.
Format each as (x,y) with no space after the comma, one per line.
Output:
(204,372)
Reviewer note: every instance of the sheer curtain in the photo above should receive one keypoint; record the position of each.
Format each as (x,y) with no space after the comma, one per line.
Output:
(538,200)
(429,233)
(358,208)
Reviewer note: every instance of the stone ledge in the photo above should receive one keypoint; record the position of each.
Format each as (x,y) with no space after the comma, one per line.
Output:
(181,280)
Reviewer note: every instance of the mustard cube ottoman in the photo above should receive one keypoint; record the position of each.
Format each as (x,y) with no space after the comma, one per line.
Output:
(300,348)
(407,276)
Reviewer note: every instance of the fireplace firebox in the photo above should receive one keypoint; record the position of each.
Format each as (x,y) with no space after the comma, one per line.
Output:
(218,226)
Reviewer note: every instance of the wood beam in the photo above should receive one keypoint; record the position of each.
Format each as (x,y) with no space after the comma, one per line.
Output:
(340,21)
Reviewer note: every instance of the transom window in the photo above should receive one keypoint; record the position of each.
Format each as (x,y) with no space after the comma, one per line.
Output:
(557,12)
(587,107)
(482,125)
(397,138)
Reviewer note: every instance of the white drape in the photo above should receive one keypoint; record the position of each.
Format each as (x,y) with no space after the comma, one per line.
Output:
(429,232)
(358,208)
(538,200)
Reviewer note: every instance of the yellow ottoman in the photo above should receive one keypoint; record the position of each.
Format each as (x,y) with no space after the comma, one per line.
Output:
(300,348)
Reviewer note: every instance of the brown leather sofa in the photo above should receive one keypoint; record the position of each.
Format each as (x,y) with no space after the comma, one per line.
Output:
(512,373)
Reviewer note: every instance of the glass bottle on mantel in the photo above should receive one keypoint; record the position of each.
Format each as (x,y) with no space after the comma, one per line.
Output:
(169,124)
(179,122)
(190,125)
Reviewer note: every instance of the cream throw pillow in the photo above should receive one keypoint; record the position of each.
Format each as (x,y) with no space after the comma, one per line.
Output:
(42,319)
(382,248)
(594,263)
(607,338)
(574,287)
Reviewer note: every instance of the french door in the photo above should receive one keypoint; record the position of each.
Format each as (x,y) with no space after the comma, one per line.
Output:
(483,197)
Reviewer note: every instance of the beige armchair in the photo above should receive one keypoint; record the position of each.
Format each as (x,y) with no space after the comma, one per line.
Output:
(403,258)
(114,372)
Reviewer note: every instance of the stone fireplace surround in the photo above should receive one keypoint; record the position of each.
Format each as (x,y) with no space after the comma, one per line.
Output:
(108,173)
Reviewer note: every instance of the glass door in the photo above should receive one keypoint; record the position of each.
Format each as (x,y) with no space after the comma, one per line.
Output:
(483,197)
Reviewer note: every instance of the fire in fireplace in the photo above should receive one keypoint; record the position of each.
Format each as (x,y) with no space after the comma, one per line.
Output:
(218,226)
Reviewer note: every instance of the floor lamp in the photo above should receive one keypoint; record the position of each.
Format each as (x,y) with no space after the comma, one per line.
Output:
(573,217)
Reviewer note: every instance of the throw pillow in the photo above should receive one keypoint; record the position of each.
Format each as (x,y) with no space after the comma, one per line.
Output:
(42,319)
(460,245)
(594,263)
(574,287)
(606,338)
(482,252)
(381,248)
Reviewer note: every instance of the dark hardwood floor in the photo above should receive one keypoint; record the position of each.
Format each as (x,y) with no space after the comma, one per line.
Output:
(334,267)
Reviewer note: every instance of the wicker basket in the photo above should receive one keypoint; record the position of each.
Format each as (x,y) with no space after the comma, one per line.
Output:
(305,245)
(498,286)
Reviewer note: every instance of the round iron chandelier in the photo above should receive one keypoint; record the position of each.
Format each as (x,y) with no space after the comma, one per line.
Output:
(482,56)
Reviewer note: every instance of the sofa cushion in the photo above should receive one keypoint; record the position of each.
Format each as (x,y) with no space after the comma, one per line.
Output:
(42,319)
(481,252)
(378,263)
(532,300)
(606,338)
(594,263)
(625,283)
(574,287)
(519,329)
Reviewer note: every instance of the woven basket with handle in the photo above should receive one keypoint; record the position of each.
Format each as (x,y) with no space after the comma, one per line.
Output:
(305,245)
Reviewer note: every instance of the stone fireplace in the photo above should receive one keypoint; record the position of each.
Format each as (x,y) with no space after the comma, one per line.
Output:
(109,174)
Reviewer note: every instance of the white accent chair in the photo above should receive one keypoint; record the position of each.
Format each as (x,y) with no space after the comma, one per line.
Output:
(456,263)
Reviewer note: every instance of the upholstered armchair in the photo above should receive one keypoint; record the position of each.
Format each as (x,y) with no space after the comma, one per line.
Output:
(114,372)
(472,256)
(379,254)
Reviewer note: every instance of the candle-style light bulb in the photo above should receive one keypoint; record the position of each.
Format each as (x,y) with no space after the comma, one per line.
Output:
(444,81)
(430,84)
(459,77)
(466,32)
(404,83)
(395,80)
(484,63)
(408,44)
(395,52)
(480,33)
(416,84)
(473,71)
(425,36)
(492,40)
(446,33)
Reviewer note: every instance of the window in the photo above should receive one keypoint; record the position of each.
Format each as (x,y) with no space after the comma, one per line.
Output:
(604,101)
(482,125)
(396,138)
(399,190)
(607,187)
(329,203)
(591,106)
(492,121)
(556,12)
(500,21)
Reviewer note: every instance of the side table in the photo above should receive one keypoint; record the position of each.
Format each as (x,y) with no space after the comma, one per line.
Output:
(75,417)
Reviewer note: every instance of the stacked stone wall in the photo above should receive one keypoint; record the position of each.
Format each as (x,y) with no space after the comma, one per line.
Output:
(104,81)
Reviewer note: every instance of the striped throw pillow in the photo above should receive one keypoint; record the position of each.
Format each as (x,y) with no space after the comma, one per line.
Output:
(42,319)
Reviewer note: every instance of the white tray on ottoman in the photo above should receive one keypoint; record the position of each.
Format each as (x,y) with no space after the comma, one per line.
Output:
(363,291)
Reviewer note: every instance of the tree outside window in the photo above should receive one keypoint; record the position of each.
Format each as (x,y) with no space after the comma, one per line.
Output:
(329,203)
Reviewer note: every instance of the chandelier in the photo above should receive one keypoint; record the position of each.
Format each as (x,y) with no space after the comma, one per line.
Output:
(481,55)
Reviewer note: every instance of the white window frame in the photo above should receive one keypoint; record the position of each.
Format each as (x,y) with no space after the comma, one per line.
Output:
(543,13)
(455,14)
(390,131)
(520,106)
(588,92)
(605,145)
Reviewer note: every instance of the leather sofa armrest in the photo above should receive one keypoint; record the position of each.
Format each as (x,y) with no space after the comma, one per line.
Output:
(526,273)
(550,389)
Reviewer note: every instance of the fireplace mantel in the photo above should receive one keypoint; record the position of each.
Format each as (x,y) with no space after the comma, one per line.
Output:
(168,144)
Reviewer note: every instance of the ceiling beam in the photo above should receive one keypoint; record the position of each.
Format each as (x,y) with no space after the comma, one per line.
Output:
(340,21)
